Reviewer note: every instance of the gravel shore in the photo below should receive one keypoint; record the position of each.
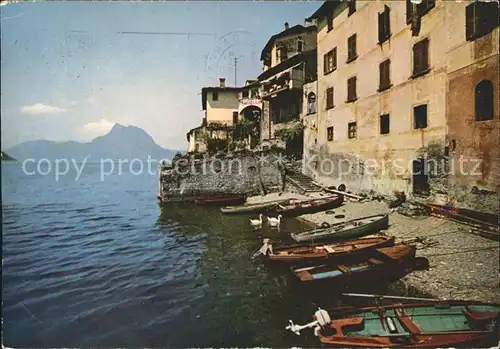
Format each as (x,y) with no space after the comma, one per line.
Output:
(462,265)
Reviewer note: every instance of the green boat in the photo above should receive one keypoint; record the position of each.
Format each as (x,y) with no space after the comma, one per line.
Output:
(346,230)
(255,208)
(428,324)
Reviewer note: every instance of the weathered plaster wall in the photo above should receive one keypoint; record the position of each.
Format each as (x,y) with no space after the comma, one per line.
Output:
(456,66)
(385,160)
(222,109)
(473,145)
(232,174)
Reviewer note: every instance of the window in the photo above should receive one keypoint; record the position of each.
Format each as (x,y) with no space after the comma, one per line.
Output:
(235,117)
(330,61)
(329,133)
(255,93)
(422,8)
(215,96)
(311,103)
(484,100)
(421,58)
(329,19)
(300,45)
(480,19)
(384,124)
(351,90)
(282,54)
(385,75)
(420,116)
(351,49)
(329,98)
(384,25)
(245,94)
(352,7)
(352,130)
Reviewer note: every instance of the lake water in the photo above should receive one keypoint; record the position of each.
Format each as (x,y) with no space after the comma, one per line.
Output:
(93,263)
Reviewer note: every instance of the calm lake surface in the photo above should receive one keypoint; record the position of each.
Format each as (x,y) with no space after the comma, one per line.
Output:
(93,263)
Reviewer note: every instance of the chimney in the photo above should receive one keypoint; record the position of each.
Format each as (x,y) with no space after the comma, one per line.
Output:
(222,82)
(286,25)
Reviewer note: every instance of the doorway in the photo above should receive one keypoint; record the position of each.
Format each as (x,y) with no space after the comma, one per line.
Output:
(420,177)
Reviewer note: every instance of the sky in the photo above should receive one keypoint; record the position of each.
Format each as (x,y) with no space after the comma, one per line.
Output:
(71,70)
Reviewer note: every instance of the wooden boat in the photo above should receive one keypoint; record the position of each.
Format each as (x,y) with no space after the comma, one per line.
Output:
(427,324)
(255,208)
(346,230)
(309,206)
(318,252)
(222,200)
(388,263)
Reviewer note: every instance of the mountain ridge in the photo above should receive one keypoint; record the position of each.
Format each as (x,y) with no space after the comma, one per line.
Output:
(121,142)
(6,157)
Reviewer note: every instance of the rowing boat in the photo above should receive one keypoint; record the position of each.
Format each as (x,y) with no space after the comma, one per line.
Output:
(387,263)
(427,324)
(346,230)
(309,206)
(308,253)
(255,208)
(222,200)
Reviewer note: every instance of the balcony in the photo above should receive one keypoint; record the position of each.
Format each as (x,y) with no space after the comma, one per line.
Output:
(292,78)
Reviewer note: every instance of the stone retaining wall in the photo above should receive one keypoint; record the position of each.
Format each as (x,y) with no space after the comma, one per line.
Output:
(233,173)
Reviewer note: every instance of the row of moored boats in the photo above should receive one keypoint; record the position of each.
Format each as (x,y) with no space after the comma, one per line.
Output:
(351,253)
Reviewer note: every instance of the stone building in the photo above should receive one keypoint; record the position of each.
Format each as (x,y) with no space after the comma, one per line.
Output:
(289,61)
(403,92)
(231,113)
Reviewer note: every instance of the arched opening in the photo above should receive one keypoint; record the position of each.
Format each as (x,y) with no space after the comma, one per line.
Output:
(311,103)
(484,100)
(247,130)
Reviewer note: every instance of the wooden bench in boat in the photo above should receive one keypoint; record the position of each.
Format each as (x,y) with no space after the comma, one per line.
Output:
(405,320)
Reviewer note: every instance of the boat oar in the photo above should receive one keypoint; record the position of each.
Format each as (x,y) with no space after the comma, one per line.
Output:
(377,296)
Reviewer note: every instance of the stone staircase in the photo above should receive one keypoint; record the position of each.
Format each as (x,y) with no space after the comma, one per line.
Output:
(301,182)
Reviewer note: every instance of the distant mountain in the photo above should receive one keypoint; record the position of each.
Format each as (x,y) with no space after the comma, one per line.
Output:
(6,157)
(122,142)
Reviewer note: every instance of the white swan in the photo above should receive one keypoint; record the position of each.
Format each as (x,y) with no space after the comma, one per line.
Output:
(256,222)
(274,222)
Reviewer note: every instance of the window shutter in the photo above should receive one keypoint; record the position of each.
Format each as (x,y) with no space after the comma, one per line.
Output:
(380,27)
(334,57)
(425,54)
(469,21)
(387,17)
(409,11)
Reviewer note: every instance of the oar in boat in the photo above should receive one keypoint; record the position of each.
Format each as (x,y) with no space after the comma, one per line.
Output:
(379,297)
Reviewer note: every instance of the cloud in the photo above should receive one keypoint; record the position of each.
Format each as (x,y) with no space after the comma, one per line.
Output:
(40,108)
(100,127)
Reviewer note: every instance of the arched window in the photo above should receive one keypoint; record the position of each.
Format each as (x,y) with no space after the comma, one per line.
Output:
(311,103)
(484,100)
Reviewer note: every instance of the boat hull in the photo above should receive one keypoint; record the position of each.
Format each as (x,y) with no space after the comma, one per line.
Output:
(425,325)
(309,206)
(229,200)
(309,253)
(387,264)
(255,208)
(331,234)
